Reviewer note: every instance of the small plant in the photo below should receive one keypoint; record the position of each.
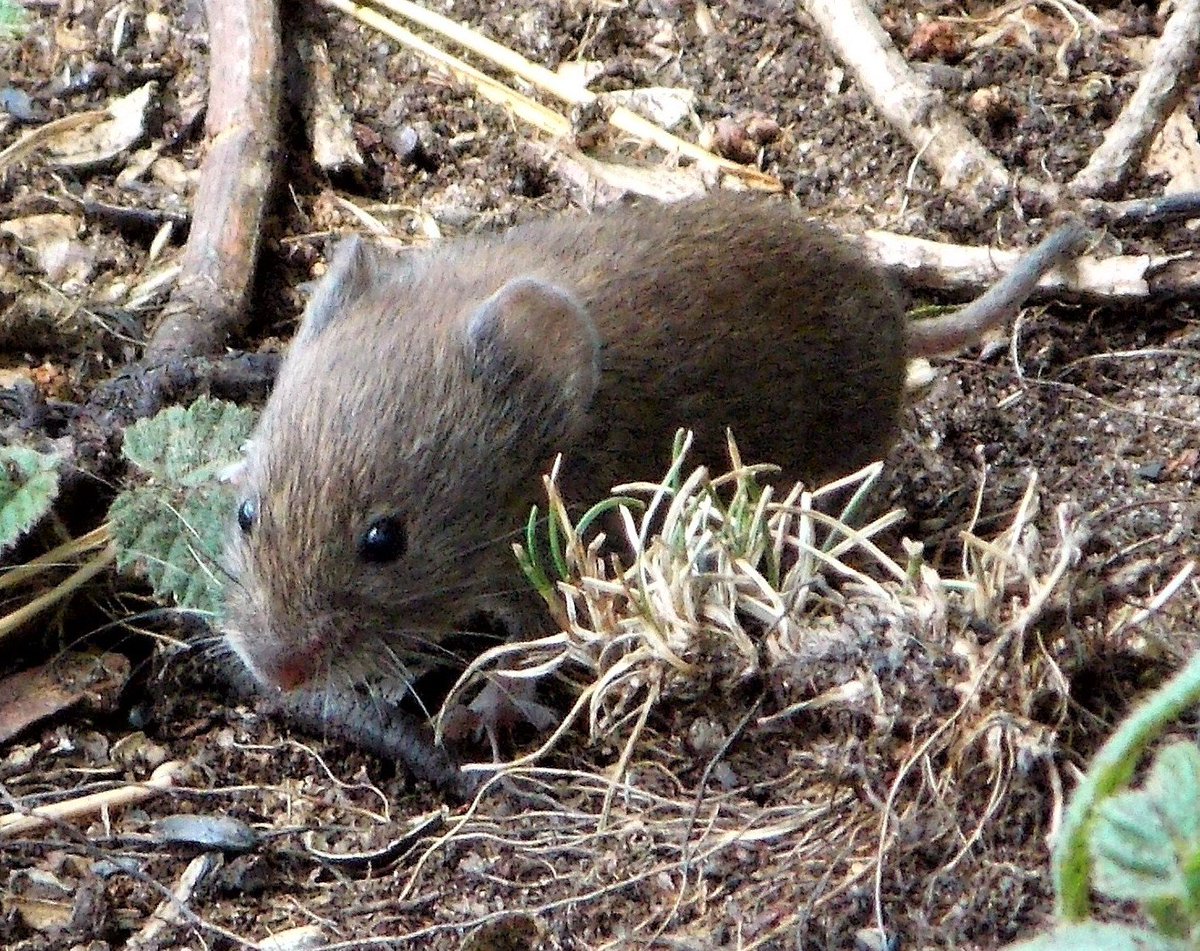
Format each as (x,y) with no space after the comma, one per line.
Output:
(1140,845)
(172,528)
(28,487)
(721,573)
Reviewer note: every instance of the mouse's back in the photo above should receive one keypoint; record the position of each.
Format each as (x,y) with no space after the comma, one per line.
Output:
(730,311)
(426,393)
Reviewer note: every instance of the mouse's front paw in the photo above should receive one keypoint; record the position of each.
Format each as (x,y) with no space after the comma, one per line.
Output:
(503,706)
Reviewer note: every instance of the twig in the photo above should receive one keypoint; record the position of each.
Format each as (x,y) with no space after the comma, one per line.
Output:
(329,127)
(915,109)
(573,95)
(209,300)
(56,557)
(1065,7)
(1181,206)
(173,909)
(31,141)
(962,270)
(142,390)
(491,89)
(595,182)
(1143,614)
(77,579)
(162,778)
(1162,86)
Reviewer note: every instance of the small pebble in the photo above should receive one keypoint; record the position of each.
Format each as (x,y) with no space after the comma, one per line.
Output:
(16,103)
(209,832)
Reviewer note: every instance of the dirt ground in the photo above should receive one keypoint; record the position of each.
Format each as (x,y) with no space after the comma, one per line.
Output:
(926,807)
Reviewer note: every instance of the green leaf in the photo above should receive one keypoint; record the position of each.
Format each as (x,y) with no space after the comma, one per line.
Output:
(13,20)
(1174,785)
(1110,770)
(1146,844)
(173,529)
(188,447)
(175,540)
(1133,852)
(1095,936)
(28,486)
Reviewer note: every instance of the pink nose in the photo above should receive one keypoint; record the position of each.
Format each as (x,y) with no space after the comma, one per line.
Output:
(292,670)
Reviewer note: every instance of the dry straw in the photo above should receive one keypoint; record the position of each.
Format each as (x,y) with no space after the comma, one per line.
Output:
(723,580)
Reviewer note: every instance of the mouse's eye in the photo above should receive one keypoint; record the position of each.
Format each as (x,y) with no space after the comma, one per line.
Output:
(247,515)
(384,540)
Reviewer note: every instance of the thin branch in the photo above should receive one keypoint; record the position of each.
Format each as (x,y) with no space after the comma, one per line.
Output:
(162,778)
(570,93)
(15,620)
(329,123)
(967,271)
(1163,84)
(915,109)
(522,106)
(1181,206)
(209,301)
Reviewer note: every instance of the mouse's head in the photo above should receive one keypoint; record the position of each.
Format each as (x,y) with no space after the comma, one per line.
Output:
(395,464)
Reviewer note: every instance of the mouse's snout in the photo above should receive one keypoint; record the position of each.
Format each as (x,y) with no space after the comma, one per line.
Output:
(284,664)
(291,670)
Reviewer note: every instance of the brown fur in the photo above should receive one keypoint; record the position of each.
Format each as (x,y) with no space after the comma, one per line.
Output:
(729,311)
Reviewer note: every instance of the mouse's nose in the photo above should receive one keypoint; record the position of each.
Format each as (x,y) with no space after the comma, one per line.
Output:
(294,671)
(279,652)
(287,668)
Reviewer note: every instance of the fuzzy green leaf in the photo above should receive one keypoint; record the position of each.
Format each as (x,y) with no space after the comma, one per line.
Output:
(188,447)
(173,529)
(175,540)
(1111,768)
(1146,844)
(1095,936)
(1174,785)
(1133,852)
(28,486)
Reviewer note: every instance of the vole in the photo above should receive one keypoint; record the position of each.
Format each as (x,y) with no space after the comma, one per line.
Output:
(426,392)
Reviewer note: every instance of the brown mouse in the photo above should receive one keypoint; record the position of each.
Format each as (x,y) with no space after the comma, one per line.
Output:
(427,392)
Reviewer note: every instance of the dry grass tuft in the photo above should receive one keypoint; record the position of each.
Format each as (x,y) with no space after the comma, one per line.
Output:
(726,583)
(723,582)
(742,624)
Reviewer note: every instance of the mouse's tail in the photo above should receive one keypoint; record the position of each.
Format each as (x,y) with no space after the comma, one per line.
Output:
(1000,303)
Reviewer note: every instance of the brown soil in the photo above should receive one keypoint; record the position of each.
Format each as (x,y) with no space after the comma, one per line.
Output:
(777,845)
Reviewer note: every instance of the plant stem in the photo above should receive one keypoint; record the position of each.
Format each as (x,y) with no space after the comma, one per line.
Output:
(1109,772)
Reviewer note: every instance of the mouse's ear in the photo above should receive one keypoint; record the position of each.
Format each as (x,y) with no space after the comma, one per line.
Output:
(532,334)
(349,276)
